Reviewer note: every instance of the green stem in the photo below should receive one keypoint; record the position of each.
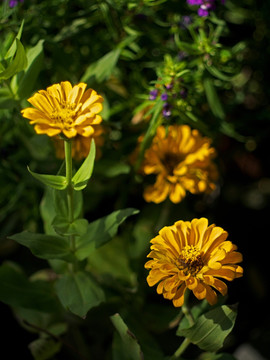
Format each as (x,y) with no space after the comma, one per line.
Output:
(181,349)
(68,159)
(186,311)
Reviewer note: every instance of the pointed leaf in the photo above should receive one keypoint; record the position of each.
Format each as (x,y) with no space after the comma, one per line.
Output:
(128,347)
(55,181)
(18,64)
(213,99)
(45,246)
(211,328)
(101,231)
(35,60)
(103,68)
(82,176)
(78,293)
(12,50)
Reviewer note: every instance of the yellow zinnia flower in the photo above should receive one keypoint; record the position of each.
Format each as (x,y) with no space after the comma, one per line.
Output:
(182,160)
(192,255)
(63,109)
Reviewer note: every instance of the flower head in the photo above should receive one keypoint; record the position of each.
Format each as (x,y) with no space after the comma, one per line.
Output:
(194,256)
(63,109)
(182,160)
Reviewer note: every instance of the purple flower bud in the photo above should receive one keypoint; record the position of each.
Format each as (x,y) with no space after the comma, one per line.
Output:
(183,93)
(153,94)
(164,97)
(13,3)
(185,21)
(167,112)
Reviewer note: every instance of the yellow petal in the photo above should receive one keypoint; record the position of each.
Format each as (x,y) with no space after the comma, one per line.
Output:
(179,297)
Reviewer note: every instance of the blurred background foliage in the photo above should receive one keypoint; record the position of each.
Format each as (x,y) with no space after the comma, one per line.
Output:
(124,50)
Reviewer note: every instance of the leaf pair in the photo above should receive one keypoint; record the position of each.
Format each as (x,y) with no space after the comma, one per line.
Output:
(79,180)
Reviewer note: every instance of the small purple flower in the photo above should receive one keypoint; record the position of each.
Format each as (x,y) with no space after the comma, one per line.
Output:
(169,86)
(164,97)
(167,112)
(183,93)
(205,6)
(194,2)
(13,3)
(203,12)
(182,55)
(153,94)
(185,21)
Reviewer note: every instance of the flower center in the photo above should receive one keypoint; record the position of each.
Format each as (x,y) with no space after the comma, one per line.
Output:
(64,115)
(190,260)
(170,161)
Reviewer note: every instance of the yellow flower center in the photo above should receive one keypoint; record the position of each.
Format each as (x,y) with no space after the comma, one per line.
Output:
(190,260)
(170,161)
(64,115)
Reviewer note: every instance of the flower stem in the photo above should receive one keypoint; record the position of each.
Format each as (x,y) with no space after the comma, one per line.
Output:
(68,159)
(186,311)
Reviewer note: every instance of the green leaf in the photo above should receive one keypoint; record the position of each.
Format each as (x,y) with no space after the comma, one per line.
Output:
(16,290)
(218,74)
(82,176)
(213,99)
(63,227)
(45,246)
(214,356)
(18,64)
(111,261)
(211,328)
(101,231)
(44,348)
(111,168)
(79,293)
(103,68)
(12,50)
(55,181)
(128,347)
(35,59)
(151,131)
(54,202)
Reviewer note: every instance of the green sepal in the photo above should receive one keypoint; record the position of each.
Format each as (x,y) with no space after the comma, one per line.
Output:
(45,246)
(78,293)
(82,176)
(100,231)
(57,182)
(211,328)
(18,64)
(17,291)
(63,227)
(126,346)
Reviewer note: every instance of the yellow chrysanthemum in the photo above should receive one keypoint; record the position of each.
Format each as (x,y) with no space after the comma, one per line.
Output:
(192,255)
(182,160)
(63,109)
(81,145)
